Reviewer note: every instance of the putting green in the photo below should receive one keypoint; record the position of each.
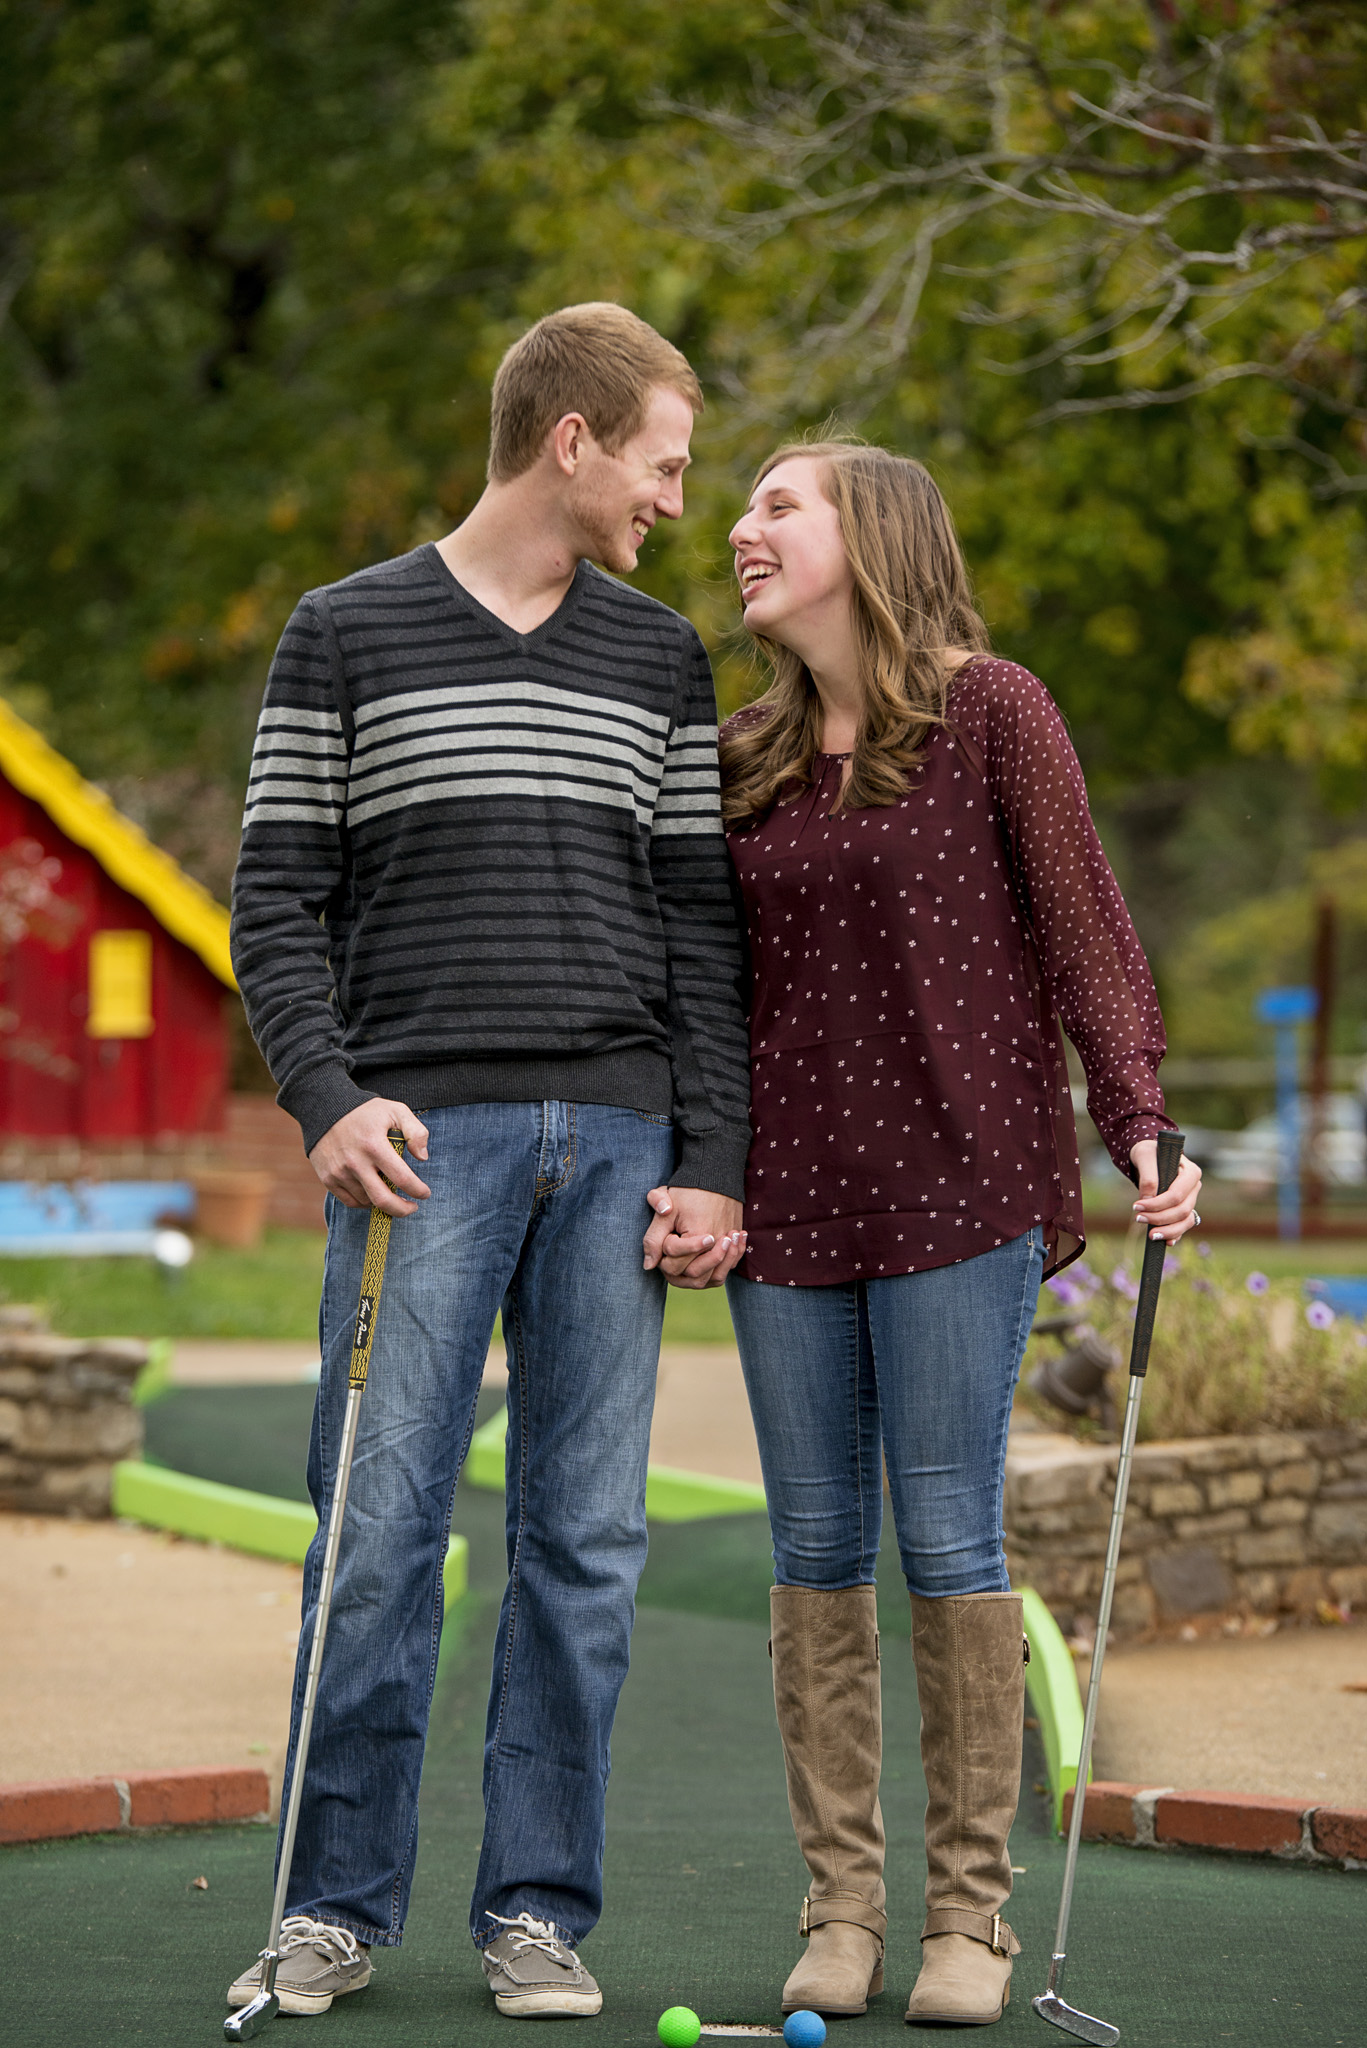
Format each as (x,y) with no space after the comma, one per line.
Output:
(110,1942)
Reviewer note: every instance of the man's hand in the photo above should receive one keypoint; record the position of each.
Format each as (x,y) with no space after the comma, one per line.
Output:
(355,1159)
(1173,1213)
(696,1237)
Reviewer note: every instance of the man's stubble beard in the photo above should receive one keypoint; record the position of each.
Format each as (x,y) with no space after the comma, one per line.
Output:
(602,534)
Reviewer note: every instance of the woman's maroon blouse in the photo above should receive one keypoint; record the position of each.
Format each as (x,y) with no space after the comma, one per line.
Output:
(908,1098)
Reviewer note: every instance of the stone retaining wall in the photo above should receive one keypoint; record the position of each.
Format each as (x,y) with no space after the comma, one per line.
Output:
(1261,1524)
(66,1416)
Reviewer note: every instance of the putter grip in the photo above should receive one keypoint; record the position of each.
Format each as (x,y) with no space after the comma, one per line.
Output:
(1155,1252)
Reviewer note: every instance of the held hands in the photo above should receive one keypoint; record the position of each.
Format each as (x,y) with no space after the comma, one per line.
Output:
(696,1237)
(1173,1213)
(355,1160)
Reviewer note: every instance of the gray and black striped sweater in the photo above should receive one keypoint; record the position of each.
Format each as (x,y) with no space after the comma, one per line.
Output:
(479,865)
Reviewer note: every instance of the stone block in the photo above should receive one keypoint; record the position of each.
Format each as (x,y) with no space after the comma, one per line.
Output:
(1282,1514)
(1192,1581)
(1344,1489)
(11,1420)
(1060,1483)
(1192,1528)
(1349,1582)
(1339,1530)
(193,1798)
(106,1429)
(1156,1462)
(1234,1489)
(1249,1821)
(1282,1449)
(1337,1831)
(1135,1609)
(1299,1476)
(1220,1453)
(1270,1546)
(1175,1497)
(1355,1462)
(1333,1443)
(1262,1590)
(1302,1591)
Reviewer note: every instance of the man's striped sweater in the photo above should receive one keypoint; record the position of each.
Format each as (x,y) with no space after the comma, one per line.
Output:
(479,865)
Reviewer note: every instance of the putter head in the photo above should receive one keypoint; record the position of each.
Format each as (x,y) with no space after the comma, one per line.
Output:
(248,2020)
(1081,2025)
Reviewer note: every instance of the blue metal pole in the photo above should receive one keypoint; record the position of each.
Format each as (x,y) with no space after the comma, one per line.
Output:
(1289,1121)
(1284,1009)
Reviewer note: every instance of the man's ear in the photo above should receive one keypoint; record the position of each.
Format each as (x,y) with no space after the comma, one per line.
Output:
(568,439)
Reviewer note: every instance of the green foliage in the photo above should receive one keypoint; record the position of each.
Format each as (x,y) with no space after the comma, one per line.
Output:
(259,265)
(1218,971)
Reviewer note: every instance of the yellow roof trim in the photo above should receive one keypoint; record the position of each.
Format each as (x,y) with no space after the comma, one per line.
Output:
(123,850)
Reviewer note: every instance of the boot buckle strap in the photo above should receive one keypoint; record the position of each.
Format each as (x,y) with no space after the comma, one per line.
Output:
(804,1925)
(999,1947)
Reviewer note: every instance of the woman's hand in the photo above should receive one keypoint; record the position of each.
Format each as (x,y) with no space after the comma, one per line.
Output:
(695,1238)
(1172,1214)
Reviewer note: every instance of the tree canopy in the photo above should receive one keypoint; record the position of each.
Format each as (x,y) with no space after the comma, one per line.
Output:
(1100,265)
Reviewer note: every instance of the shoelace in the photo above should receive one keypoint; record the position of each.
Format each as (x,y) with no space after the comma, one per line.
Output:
(298,1931)
(526,1932)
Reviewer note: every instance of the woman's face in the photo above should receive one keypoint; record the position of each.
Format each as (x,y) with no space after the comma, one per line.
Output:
(791,564)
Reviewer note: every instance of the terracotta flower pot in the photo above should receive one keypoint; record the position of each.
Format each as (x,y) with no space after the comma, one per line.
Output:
(230,1206)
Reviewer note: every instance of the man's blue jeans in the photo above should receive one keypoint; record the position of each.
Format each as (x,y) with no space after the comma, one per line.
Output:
(919,1370)
(538,1208)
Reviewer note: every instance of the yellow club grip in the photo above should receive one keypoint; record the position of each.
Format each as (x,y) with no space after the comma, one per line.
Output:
(372,1281)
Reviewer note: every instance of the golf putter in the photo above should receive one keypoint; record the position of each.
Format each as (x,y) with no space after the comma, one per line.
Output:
(248,2020)
(1050,2004)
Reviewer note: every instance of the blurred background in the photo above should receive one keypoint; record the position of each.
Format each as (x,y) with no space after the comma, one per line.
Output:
(1099,266)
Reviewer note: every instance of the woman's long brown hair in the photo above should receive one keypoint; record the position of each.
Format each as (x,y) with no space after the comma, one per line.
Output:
(912,600)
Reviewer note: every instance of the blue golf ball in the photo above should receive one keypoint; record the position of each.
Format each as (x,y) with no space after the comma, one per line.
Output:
(804,2030)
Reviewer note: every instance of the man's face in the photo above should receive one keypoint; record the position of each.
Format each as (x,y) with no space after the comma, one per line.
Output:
(616,499)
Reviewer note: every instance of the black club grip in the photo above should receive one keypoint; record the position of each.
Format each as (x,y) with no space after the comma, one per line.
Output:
(1155,1252)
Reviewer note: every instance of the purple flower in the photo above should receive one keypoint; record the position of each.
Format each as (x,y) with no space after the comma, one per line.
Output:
(1171,1264)
(1320,1316)
(1257,1283)
(1203,1286)
(1083,1277)
(1123,1284)
(1062,1288)
(1203,1251)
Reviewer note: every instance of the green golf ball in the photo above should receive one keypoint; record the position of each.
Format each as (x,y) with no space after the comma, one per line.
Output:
(678,2028)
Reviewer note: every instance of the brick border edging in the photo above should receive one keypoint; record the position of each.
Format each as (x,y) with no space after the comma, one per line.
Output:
(46,1810)
(1246,1823)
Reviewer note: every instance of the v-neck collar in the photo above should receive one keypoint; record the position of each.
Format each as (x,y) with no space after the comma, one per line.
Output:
(568,604)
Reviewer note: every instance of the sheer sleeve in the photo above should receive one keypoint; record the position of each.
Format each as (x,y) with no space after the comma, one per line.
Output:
(1093,964)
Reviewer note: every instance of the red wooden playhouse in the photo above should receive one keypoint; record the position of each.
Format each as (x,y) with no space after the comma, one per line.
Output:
(114,966)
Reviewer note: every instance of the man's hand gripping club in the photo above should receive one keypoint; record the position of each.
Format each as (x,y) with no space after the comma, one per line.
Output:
(355,1160)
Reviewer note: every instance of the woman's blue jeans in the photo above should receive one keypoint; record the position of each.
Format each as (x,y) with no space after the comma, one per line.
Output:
(537,1208)
(918,1370)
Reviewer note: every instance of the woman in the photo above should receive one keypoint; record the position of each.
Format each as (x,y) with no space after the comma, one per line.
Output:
(924,890)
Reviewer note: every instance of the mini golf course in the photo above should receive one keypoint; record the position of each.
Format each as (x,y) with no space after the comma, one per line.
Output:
(111,1942)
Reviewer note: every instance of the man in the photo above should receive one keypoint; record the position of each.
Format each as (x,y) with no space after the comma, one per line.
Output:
(484,899)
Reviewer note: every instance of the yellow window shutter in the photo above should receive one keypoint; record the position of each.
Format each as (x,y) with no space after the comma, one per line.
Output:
(120,985)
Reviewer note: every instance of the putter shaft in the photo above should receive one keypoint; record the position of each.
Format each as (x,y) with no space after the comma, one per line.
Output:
(248,2020)
(1050,2005)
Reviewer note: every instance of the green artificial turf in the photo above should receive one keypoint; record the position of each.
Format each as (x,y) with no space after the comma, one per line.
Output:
(110,1943)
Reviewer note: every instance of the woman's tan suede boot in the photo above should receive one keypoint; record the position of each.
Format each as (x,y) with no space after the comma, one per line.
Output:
(830,1716)
(970,1675)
